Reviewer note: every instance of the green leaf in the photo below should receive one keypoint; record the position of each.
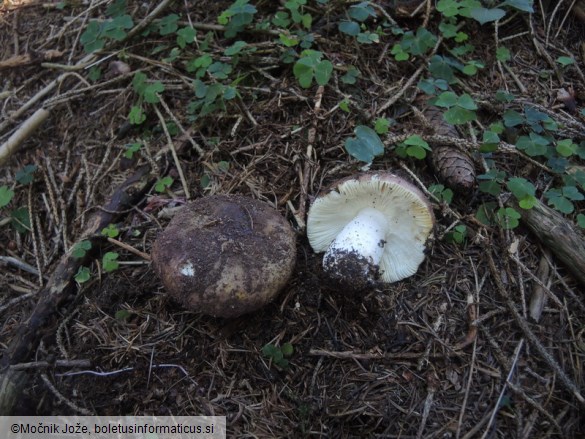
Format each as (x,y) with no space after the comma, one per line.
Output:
(116,8)
(381,125)
(219,70)
(485,213)
(581,220)
(512,118)
(524,192)
(565,60)
(365,146)
(287,349)
(458,116)
(521,5)
(131,150)
(508,217)
(446,100)
(491,187)
(80,249)
(82,275)
(490,142)
(572,193)
(504,96)
(457,235)
(6,195)
(151,91)
(349,28)
(442,193)
(281,19)
(136,115)
(361,11)
(566,148)
(163,183)
(533,145)
(235,48)
(467,102)
(484,15)
(557,199)
(350,77)
(503,54)
(109,262)
(185,35)
(25,175)
(122,315)
(323,72)
(20,220)
(344,105)
(168,25)
(111,231)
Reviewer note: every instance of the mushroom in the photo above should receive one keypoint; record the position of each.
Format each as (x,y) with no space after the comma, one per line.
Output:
(225,255)
(372,227)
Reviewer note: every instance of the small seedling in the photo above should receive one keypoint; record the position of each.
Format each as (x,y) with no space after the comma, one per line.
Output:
(80,249)
(109,262)
(310,66)
(457,235)
(277,354)
(82,275)
(111,231)
(163,184)
(414,146)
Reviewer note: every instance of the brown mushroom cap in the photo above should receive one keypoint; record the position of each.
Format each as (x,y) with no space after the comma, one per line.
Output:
(225,255)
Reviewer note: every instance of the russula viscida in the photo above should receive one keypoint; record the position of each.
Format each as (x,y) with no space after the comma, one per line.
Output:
(225,255)
(372,227)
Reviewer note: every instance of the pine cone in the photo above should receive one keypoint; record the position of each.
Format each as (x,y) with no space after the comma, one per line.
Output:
(453,166)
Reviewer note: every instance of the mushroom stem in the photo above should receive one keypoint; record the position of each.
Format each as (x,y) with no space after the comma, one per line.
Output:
(360,245)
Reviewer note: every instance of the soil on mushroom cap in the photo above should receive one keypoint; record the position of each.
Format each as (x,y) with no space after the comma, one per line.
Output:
(225,255)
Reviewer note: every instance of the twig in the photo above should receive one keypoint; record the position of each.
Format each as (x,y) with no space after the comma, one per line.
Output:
(174,153)
(9,260)
(538,298)
(546,356)
(45,364)
(62,398)
(26,130)
(508,378)
(131,249)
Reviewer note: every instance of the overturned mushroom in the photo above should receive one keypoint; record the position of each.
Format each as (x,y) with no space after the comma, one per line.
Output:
(225,255)
(372,227)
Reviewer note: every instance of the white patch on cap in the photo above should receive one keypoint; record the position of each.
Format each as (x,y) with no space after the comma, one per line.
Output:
(188,269)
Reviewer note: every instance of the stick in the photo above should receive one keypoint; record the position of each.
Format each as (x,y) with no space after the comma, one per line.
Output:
(559,235)
(21,134)
(59,288)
